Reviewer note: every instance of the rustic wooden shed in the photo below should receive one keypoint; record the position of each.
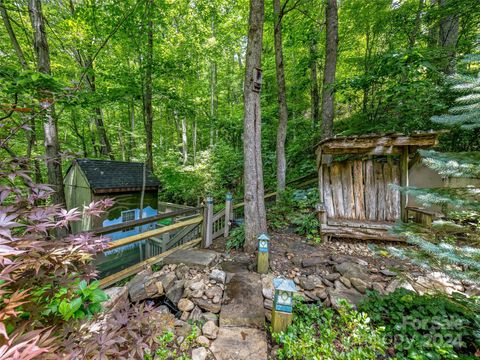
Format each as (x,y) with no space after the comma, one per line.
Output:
(90,180)
(356,173)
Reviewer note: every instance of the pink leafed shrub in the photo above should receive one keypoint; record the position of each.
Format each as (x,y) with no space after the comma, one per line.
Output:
(38,262)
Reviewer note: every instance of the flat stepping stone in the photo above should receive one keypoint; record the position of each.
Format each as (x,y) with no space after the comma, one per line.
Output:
(235,266)
(240,343)
(200,258)
(244,302)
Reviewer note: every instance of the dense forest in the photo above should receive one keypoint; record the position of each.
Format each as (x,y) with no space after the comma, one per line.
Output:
(218,97)
(162,82)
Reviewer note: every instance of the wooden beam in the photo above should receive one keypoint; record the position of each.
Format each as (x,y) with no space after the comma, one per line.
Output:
(404,183)
(148,234)
(132,270)
(143,221)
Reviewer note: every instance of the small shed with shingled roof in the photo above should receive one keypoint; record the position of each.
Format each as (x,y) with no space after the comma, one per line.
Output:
(358,180)
(90,180)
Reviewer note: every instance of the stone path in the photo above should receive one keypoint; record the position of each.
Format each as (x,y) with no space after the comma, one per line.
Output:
(197,258)
(242,333)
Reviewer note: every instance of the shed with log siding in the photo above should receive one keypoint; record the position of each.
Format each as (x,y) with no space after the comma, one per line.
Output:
(358,179)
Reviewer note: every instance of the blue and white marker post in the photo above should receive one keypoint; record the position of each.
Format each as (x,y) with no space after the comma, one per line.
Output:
(262,259)
(282,304)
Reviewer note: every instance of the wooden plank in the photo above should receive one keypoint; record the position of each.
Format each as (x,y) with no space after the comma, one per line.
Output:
(365,224)
(389,204)
(370,192)
(327,187)
(380,190)
(148,234)
(360,233)
(358,190)
(404,183)
(347,191)
(219,215)
(395,192)
(336,185)
(147,220)
(132,270)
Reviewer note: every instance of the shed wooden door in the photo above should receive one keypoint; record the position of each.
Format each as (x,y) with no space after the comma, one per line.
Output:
(361,190)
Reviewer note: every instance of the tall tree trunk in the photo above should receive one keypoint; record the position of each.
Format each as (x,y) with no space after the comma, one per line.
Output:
(282,98)
(416,28)
(52,146)
(213,100)
(328,93)
(314,95)
(132,129)
(12,36)
(448,35)
(148,91)
(255,218)
(194,140)
(213,93)
(184,141)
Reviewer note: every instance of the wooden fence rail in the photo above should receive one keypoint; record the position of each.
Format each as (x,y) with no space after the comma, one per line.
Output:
(210,225)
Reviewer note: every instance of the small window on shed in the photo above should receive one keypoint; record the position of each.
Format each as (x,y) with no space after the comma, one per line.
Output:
(128,215)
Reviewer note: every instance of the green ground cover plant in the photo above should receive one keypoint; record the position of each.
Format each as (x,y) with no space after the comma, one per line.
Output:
(324,333)
(426,326)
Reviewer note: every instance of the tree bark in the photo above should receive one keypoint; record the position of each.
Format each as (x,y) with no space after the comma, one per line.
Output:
(314,94)
(328,93)
(52,146)
(448,36)
(255,218)
(132,129)
(184,141)
(282,98)
(148,91)
(416,28)
(12,36)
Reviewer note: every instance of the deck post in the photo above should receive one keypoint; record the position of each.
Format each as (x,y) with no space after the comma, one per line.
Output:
(228,214)
(207,223)
(404,157)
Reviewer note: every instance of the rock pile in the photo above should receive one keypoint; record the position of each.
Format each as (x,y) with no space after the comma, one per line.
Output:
(329,278)
(189,293)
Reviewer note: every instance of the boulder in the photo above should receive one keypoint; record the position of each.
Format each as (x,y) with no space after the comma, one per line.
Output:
(395,284)
(218,275)
(268,304)
(351,295)
(306,283)
(387,272)
(196,314)
(185,305)
(315,260)
(213,291)
(345,281)
(240,343)
(166,280)
(350,269)
(210,330)
(203,341)
(117,297)
(207,305)
(199,353)
(181,271)
(267,286)
(359,284)
(332,276)
(174,294)
(182,328)
(208,316)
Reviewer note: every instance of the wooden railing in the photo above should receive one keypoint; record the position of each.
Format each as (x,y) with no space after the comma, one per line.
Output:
(194,231)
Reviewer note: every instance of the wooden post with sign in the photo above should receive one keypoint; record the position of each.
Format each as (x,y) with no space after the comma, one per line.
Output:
(262,257)
(228,214)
